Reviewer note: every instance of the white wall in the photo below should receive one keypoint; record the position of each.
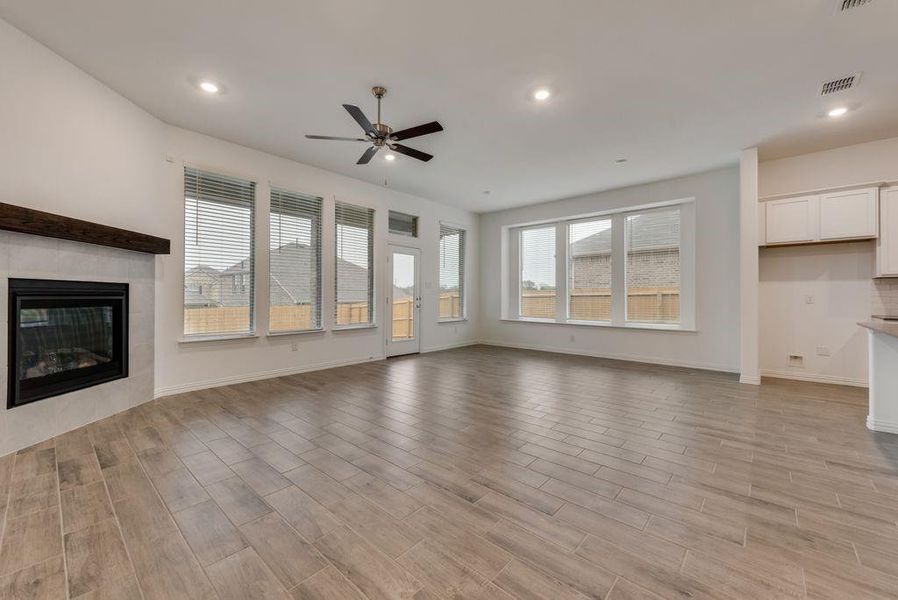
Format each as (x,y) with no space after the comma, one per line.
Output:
(749,351)
(862,163)
(716,343)
(70,145)
(839,276)
(190,365)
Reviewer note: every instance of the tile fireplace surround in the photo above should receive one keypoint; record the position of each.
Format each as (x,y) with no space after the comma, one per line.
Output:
(30,256)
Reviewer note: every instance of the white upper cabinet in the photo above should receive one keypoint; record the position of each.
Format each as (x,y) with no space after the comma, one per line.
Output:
(791,220)
(851,214)
(887,245)
(826,217)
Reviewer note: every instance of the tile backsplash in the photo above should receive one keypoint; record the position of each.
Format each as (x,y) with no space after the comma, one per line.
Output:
(884,299)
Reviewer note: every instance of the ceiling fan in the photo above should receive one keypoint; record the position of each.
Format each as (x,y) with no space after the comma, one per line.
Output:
(380,135)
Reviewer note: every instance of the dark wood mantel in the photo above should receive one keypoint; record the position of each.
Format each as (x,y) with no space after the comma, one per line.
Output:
(36,222)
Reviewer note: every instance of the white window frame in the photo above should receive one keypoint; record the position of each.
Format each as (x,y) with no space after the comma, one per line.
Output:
(512,257)
(272,188)
(519,292)
(566,227)
(190,338)
(373,303)
(463,275)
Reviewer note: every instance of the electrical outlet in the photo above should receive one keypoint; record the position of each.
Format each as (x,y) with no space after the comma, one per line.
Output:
(294,346)
(823,351)
(810,299)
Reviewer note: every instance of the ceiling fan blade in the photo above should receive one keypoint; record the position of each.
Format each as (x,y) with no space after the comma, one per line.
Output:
(360,118)
(411,132)
(339,139)
(366,157)
(411,152)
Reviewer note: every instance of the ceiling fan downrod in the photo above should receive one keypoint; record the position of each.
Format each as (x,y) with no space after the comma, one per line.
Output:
(383,131)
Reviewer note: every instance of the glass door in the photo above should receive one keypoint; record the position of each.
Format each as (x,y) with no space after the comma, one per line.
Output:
(403,301)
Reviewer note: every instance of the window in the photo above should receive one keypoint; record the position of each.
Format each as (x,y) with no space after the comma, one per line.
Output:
(403,224)
(538,273)
(653,266)
(218,254)
(589,270)
(295,262)
(452,273)
(624,268)
(355,265)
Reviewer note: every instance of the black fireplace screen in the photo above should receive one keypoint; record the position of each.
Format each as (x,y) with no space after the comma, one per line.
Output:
(64,336)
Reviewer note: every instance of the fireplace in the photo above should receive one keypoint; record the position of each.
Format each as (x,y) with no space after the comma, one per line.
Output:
(64,336)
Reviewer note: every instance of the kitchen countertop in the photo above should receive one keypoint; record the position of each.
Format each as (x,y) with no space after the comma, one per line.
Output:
(880,326)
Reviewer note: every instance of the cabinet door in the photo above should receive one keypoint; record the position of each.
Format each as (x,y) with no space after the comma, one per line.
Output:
(887,245)
(791,220)
(849,214)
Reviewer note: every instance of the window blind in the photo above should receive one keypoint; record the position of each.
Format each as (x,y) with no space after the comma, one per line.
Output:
(538,272)
(219,274)
(589,270)
(355,265)
(452,272)
(295,262)
(652,240)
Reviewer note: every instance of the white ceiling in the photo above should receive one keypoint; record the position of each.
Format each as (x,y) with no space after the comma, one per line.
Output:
(675,86)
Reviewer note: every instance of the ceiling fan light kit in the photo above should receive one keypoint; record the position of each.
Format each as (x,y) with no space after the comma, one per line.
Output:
(380,135)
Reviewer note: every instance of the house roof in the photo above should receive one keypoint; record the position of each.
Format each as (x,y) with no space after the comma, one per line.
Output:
(296,259)
(648,231)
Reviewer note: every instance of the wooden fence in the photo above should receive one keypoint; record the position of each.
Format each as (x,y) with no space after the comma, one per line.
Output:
(403,319)
(226,319)
(450,306)
(643,304)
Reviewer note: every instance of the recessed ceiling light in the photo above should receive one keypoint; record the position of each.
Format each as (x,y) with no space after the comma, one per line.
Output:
(486,192)
(209,87)
(621,161)
(542,94)
(837,112)
(389,157)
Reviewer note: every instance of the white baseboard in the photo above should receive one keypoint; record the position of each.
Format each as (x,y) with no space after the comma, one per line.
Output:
(258,375)
(883,426)
(222,381)
(815,378)
(627,357)
(750,379)
(451,346)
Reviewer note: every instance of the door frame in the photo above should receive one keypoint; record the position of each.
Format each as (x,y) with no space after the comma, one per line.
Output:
(399,348)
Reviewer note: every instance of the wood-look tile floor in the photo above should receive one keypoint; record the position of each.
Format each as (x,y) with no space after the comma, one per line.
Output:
(473,473)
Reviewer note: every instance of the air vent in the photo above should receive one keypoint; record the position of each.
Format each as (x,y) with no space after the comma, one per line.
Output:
(843,5)
(841,84)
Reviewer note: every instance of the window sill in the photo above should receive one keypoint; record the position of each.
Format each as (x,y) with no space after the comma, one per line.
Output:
(459,320)
(294,332)
(337,328)
(607,325)
(193,339)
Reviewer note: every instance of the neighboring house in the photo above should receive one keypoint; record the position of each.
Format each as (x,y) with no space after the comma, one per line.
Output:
(202,287)
(653,257)
(292,281)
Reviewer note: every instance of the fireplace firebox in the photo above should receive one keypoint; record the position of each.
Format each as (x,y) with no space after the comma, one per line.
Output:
(64,336)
